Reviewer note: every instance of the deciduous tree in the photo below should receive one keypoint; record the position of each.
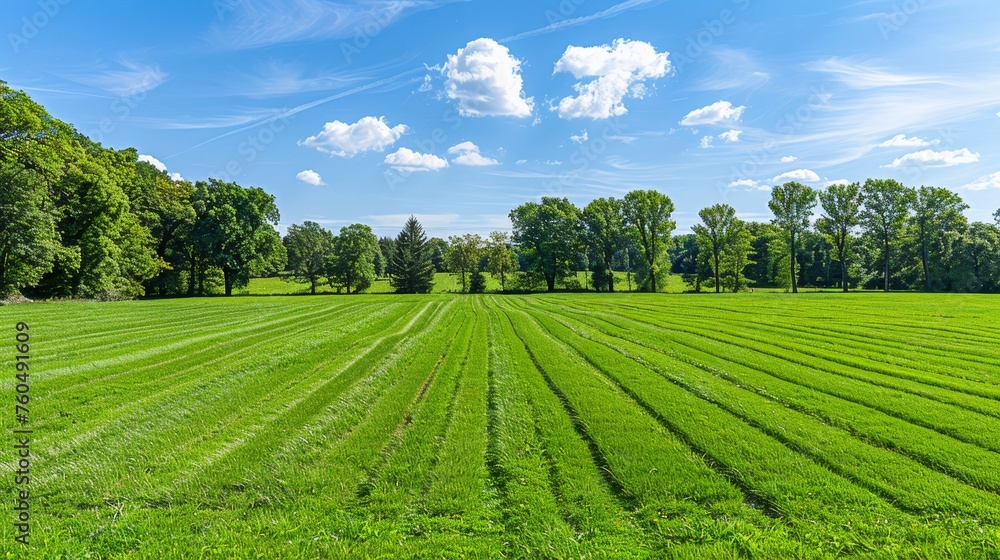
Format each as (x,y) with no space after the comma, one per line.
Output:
(604,223)
(310,248)
(841,214)
(647,213)
(713,235)
(500,257)
(936,212)
(886,205)
(353,262)
(463,254)
(548,235)
(792,205)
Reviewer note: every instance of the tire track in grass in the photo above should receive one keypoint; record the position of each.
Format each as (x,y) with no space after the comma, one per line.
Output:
(978,397)
(457,484)
(411,452)
(677,396)
(175,417)
(966,462)
(287,316)
(57,371)
(244,423)
(903,356)
(900,481)
(531,520)
(147,323)
(167,382)
(298,421)
(602,506)
(207,346)
(958,415)
(826,311)
(325,478)
(751,499)
(688,478)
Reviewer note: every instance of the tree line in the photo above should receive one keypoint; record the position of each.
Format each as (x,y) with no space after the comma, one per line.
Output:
(84,221)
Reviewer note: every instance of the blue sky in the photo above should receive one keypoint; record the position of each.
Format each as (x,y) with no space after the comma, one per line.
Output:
(457,111)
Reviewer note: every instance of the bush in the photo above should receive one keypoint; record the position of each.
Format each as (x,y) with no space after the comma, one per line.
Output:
(477,284)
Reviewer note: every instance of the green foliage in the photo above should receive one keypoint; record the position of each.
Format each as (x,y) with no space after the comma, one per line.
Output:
(32,151)
(605,235)
(353,261)
(737,256)
(477,282)
(647,213)
(886,206)
(411,270)
(387,248)
(439,252)
(714,236)
(234,229)
(500,260)
(309,247)
(937,222)
(792,205)
(463,255)
(549,236)
(841,214)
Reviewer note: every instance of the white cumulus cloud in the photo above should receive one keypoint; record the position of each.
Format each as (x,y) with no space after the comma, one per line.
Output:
(160,166)
(347,140)
(991,181)
(310,177)
(153,161)
(468,154)
(789,159)
(930,158)
(580,138)
(718,112)
(835,182)
(405,159)
(731,136)
(706,142)
(901,141)
(748,184)
(801,175)
(619,69)
(485,80)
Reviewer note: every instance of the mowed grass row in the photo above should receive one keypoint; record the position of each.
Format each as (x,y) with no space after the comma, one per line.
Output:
(563,426)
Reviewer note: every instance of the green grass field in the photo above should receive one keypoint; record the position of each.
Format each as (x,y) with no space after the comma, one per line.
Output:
(444,283)
(562,426)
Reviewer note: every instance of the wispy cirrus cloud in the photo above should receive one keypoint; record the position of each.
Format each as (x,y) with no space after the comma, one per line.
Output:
(860,74)
(123,78)
(259,23)
(563,24)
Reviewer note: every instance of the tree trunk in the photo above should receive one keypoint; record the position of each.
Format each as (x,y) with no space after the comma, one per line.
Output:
(791,261)
(718,288)
(312,287)
(887,266)
(843,270)
(228,277)
(191,278)
(550,281)
(923,257)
